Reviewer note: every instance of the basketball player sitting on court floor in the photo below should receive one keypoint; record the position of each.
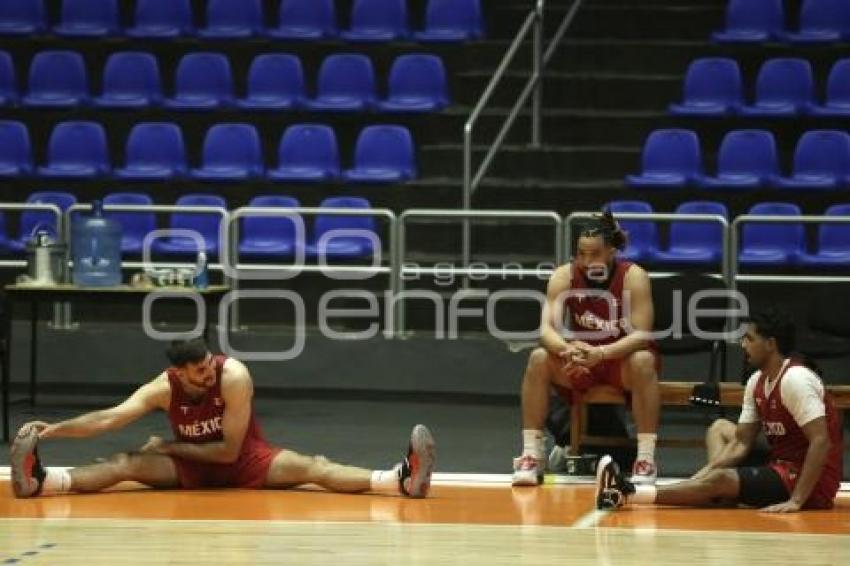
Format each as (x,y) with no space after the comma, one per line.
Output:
(784,398)
(607,305)
(208,399)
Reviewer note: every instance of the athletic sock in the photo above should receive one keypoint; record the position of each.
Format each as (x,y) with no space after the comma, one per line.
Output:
(532,443)
(385,481)
(645,494)
(646,446)
(56,481)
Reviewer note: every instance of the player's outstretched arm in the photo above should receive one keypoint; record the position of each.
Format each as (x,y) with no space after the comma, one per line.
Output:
(150,396)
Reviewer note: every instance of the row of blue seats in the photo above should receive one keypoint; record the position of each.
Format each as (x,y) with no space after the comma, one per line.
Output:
(747,159)
(761,245)
(203,81)
(785,87)
(259,237)
(231,152)
(757,21)
(371,20)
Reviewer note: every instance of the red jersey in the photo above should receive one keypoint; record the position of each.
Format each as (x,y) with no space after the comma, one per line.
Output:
(597,311)
(788,443)
(200,420)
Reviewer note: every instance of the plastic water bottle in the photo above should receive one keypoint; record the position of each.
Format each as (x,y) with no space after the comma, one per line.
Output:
(96,249)
(202,277)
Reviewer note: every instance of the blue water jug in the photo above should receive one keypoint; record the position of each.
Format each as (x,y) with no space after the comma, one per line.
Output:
(96,249)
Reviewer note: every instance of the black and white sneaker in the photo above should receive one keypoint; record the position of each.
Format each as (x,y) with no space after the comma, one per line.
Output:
(612,489)
(416,468)
(27,472)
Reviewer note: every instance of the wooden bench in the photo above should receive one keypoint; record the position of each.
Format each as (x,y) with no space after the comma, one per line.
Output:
(673,394)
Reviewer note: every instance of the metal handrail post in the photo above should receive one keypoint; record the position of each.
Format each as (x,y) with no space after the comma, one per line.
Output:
(537,102)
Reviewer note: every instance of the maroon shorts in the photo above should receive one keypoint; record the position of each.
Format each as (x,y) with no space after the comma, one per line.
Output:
(249,471)
(609,372)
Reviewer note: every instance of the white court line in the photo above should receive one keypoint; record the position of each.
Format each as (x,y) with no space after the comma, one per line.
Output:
(482,480)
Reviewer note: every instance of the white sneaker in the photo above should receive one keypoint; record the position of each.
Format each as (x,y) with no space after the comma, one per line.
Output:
(528,470)
(644,472)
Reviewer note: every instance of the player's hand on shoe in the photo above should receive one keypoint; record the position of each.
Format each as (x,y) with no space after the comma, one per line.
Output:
(154,445)
(41,427)
(789,506)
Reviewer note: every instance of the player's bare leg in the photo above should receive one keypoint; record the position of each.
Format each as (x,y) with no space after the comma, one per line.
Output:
(717,437)
(30,478)
(613,490)
(640,377)
(411,477)
(536,384)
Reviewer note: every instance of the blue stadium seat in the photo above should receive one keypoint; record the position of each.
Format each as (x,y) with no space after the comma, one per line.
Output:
(57,79)
(134,225)
(305,20)
(88,18)
(8,82)
(343,246)
(230,19)
(130,80)
(5,247)
(378,20)
(203,82)
(784,88)
(695,243)
(747,160)
(671,158)
(383,154)
(307,153)
(161,19)
(766,245)
(22,17)
(837,92)
(275,82)
(206,224)
(822,21)
(33,221)
(155,151)
(231,152)
(833,242)
(452,20)
(642,234)
(821,161)
(712,88)
(271,236)
(15,149)
(417,84)
(752,21)
(76,150)
(346,84)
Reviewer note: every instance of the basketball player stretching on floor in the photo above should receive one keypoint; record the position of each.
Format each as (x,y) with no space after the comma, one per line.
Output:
(218,442)
(607,305)
(788,402)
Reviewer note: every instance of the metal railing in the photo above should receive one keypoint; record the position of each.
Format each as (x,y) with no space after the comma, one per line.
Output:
(238,269)
(735,274)
(532,23)
(443,216)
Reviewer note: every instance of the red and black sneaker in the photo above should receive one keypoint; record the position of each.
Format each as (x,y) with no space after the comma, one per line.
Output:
(417,467)
(27,472)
